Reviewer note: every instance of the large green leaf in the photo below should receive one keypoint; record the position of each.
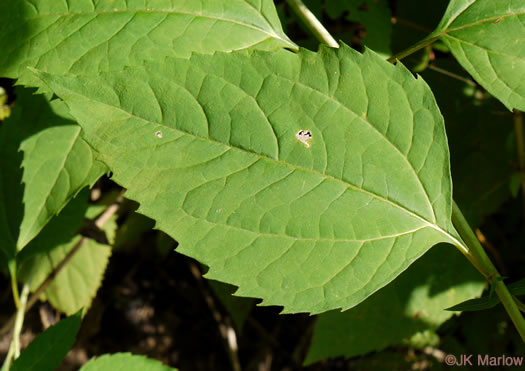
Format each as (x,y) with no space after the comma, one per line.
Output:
(487,38)
(415,302)
(79,36)
(47,350)
(208,146)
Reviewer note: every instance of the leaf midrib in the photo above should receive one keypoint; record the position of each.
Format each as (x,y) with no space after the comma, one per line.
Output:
(314,239)
(171,12)
(356,116)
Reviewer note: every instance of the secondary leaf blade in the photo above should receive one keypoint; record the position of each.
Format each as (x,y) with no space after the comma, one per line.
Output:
(82,36)
(57,162)
(75,286)
(208,147)
(486,37)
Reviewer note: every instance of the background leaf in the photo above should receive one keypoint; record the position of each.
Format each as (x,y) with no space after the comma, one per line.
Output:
(124,362)
(208,147)
(76,284)
(486,37)
(57,162)
(413,303)
(81,36)
(48,349)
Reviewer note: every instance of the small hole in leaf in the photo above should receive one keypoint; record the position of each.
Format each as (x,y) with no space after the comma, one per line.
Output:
(304,136)
(158,134)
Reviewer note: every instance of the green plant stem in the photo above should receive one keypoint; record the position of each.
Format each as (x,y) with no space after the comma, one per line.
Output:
(313,24)
(482,262)
(14,348)
(520,147)
(14,284)
(414,48)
